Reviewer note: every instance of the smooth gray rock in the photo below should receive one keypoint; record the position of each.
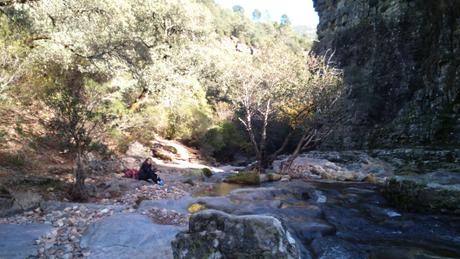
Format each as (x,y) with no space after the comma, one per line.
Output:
(129,236)
(18,241)
(179,205)
(215,234)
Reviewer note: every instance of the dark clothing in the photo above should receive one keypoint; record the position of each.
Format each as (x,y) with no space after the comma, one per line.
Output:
(147,172)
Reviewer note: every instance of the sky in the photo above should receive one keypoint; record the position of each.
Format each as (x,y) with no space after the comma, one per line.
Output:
(300,12)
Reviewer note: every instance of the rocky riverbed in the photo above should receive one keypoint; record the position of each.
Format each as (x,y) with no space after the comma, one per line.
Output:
(325,218)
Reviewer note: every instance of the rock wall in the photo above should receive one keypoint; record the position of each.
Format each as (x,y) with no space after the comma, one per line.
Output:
(401,60)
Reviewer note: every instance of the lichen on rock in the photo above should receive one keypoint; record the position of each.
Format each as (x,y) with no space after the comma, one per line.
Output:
(215,234)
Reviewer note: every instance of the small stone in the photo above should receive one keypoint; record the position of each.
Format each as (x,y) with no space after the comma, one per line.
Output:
(59,223)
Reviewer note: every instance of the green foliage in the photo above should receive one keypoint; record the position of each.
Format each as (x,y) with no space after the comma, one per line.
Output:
(78,114)
(244,178)
(13,53)
(223,141)
(110,72)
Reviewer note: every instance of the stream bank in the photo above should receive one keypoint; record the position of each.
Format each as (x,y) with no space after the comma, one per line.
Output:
(327,218)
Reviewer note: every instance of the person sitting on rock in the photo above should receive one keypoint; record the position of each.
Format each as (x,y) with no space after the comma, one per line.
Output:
(147,172)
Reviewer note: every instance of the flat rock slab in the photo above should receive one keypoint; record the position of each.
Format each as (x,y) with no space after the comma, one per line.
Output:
(181,205)
(18,241)
(129,235)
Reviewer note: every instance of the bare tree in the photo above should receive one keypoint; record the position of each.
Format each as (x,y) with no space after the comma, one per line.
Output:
(304,92)
(321,110)
(255,102)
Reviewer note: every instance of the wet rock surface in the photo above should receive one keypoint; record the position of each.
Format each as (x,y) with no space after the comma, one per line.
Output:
(331,219)
(333,248)
(422,180)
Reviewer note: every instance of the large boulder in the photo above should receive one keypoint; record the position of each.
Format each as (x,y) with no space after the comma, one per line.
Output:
(18,241)
(17,201)
(128,236)
(215,234)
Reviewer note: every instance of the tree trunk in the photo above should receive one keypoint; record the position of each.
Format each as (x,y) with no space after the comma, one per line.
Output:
(306,140)
(273,156)
(79,190)
(263,140)
(248,125)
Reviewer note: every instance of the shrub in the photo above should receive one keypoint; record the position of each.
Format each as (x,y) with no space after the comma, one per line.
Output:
(223,141)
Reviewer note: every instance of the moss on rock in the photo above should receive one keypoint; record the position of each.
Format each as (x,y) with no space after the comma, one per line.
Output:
(244,178)
(206,172)
(418,197)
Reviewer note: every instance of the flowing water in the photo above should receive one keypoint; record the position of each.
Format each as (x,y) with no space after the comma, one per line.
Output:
(352,219)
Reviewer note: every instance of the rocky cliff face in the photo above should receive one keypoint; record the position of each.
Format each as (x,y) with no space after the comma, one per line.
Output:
(401,60)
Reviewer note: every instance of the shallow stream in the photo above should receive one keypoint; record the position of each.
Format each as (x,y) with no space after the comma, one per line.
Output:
(345,219)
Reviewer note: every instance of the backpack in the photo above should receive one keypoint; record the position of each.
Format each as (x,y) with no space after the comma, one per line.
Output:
(131,173)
